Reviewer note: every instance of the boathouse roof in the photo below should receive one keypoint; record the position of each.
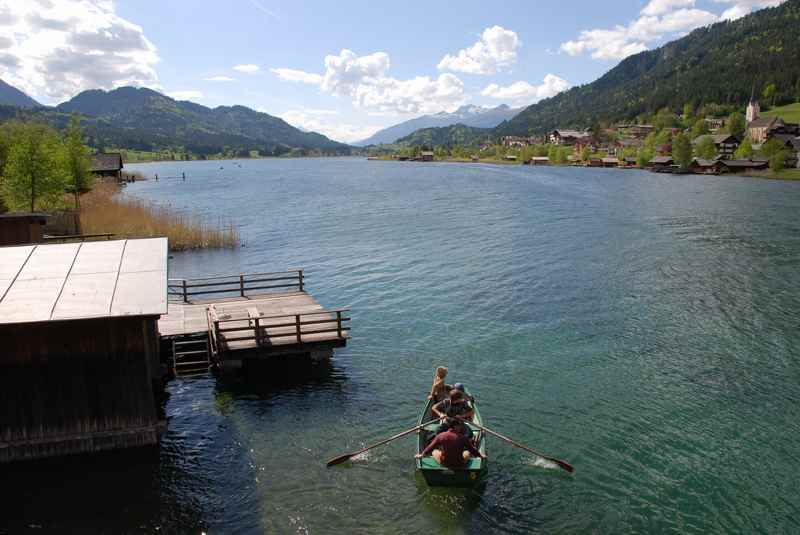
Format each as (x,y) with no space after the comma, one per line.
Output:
(111,161)
(69,281)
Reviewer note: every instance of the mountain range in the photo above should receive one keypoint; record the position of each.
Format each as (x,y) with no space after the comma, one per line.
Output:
(143,119)
(476,116)
(11,96)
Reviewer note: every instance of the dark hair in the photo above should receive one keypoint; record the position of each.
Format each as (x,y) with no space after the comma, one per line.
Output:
(456,394)
(453,422)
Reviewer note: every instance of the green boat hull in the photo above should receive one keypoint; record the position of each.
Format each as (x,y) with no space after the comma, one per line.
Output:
(437,475)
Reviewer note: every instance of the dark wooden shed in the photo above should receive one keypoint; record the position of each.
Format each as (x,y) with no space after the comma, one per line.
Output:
(107,165)
(17,228)
(80,368)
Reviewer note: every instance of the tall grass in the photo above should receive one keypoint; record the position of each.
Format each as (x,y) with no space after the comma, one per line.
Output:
(105,209)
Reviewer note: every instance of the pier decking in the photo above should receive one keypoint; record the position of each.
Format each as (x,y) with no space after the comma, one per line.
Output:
(252,316)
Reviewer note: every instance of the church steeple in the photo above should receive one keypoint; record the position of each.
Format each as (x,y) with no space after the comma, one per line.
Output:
(753,109)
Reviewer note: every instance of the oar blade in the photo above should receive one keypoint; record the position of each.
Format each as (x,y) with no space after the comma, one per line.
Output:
(340,459)
(565,465)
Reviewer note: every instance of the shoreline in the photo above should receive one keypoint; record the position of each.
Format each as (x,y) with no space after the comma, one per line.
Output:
(793,173)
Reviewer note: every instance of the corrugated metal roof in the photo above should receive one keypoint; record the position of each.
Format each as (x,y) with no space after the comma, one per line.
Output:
(116,278)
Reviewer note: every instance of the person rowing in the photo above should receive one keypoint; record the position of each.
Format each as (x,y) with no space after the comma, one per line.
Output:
(452,448)
(456,405)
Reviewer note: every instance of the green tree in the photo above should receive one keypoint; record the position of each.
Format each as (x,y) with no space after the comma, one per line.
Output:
(682,151)
(699,128)
(35,173)
(644,156)
(586,153)
(552,154)
(664,119)
(745,150)
(562,154)
(770,148)
(77,160)
(769,93)
(688,115)
(705,148)
(778,161)
(736,124)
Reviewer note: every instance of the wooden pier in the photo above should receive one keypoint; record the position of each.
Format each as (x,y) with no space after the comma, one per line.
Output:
(224,321)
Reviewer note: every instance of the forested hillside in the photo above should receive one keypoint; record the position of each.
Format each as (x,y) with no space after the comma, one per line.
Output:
(718,64)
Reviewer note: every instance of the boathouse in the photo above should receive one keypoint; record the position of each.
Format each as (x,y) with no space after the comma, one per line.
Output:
(107,165)
(80,369)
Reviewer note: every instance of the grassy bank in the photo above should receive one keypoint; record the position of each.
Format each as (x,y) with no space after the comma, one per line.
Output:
(106,209)
(786,174)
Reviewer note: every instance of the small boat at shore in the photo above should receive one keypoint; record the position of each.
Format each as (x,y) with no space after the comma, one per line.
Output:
(437,475)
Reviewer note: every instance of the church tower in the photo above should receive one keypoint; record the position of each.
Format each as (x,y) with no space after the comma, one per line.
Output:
(753,110)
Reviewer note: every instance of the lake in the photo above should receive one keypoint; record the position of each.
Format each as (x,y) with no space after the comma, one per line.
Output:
(643,327)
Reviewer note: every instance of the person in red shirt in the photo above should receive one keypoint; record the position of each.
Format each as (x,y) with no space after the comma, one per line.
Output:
(451,448)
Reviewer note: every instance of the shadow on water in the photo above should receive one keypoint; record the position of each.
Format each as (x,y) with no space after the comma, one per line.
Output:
(277,377)
(450,506)
(111,492)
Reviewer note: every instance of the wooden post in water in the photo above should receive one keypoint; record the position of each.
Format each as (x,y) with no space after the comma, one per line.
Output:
(300,278)
(297,325)
(339,323)
(185,295)
(258,331)
(241,284)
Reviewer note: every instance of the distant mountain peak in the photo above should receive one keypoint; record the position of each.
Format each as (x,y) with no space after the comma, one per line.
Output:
(467,115)
(11,96)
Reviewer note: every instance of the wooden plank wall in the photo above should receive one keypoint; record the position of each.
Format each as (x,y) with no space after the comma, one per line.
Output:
(77,386)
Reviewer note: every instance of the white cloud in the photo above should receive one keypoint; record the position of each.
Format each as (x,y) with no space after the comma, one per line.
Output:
(364,79)
(659,7)
(657,20)
(53,49)
(526,93)
(294,75)
(220,79)
(741,8)
(188,94)
(319,121)
(496,49)
(248,68)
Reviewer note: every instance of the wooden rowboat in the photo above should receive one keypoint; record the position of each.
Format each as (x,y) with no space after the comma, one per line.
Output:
(437,475)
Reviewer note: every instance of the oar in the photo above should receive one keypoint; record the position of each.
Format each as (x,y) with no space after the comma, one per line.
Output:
(342,458)
(563,464)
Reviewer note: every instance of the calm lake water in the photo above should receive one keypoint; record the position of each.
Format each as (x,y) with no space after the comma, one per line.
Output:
(643,327)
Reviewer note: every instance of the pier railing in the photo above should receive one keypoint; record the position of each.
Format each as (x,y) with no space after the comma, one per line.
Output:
(240,285)
(318,326)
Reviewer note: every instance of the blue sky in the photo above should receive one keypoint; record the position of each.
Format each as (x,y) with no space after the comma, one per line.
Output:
(384,64)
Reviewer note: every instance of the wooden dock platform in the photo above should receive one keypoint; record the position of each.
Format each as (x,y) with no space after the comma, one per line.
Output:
(251,316)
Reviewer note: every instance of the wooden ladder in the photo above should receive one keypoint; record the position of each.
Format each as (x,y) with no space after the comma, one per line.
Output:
(190,356)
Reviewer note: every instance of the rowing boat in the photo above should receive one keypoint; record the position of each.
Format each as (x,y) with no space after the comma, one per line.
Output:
(437,475)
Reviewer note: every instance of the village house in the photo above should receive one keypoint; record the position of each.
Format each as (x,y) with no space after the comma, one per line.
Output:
(107,165)
(587,142)
(715,124)
(636,131)
(517,141)
(792,145)
(725,144)
(426,156)
(17,228)
(568,137)
(540,160)
(741,166)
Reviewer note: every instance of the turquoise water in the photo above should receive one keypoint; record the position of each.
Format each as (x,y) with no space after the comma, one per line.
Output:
(643,327)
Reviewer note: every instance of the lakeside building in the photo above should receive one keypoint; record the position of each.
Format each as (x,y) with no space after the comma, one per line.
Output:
(80,368)
(518,141)
(568,137)
(661,162)
(636,131)
(540,160)
(725,144)
(792,145)
(706,167)
(426,156)
(107,165)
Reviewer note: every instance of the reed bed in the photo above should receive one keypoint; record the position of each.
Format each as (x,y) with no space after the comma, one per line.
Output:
(106,209)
